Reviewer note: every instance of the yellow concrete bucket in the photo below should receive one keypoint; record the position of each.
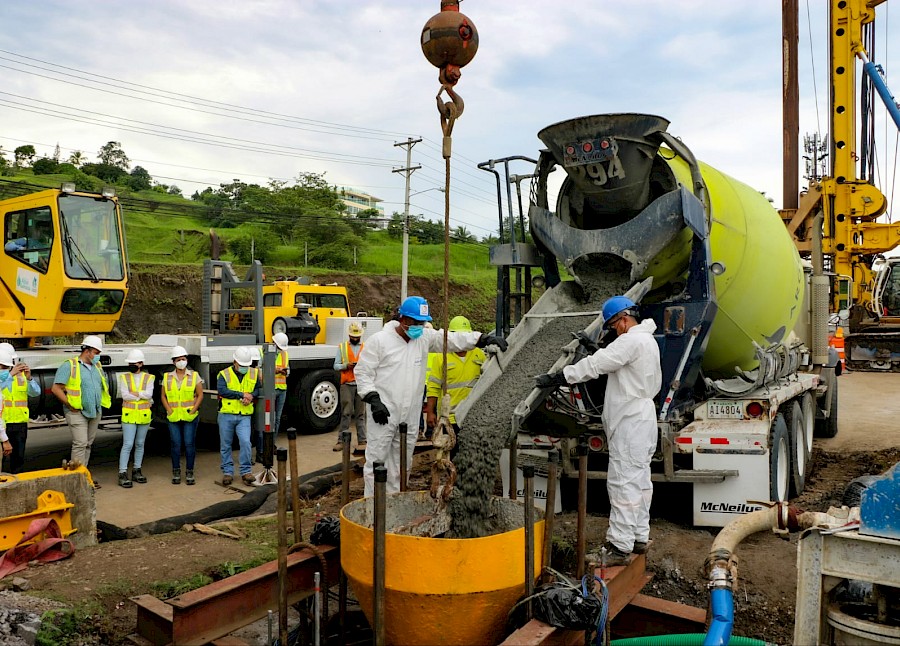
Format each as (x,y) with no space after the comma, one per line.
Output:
(439,590)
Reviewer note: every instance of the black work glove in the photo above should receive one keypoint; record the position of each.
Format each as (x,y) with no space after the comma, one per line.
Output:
(586,342)
(552,379)
(487,339)
(380,412)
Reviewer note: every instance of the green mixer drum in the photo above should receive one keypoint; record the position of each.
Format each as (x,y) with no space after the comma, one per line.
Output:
(761,292)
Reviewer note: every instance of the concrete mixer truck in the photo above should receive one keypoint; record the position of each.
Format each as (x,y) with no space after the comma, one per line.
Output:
(742,326)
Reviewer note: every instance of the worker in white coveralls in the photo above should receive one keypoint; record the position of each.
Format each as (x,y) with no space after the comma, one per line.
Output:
(389,377)
(629,416)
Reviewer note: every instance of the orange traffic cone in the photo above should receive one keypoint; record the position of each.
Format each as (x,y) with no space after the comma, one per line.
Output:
(837,342)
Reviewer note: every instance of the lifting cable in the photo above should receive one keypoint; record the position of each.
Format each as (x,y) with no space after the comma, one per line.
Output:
(449,42)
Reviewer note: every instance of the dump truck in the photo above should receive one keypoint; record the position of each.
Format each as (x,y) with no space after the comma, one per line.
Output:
(65,274)
(748,377)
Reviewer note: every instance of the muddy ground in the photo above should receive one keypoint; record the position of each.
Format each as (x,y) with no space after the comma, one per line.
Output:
(100,580)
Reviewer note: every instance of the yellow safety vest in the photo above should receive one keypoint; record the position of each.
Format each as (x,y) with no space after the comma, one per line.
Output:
(281,361)
(245,385)
(15,401)
(462,375)
(138,411)
(348,356)
(73,386)
(180,396)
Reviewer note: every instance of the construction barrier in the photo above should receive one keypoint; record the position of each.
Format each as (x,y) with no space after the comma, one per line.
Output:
(836,341)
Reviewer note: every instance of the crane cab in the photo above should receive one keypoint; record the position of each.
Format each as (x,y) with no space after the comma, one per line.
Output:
(63,268)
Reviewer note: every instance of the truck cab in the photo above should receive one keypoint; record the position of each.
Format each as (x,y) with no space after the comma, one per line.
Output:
(284,299)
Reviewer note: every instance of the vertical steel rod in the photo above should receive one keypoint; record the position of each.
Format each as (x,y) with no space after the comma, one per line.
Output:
(295,484)
(282,546)
(404,438)
(378,565)
(317,609)
(528,472)
(582,504)
(269,628)
(513,467)
(550,509)
(345,498)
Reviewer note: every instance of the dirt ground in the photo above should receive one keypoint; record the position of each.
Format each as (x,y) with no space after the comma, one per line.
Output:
(100,580)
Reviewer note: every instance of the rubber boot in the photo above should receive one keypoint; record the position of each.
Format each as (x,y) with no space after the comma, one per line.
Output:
(189,477)
(137,476)
(176,476)
(123,480)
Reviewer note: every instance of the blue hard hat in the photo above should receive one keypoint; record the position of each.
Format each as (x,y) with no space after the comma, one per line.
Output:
(415,307)
(615,305)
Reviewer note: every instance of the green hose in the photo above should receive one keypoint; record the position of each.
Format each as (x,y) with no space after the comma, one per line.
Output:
(687,639)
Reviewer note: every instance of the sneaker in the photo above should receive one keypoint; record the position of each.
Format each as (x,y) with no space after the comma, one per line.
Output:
(248,479)
(189,477)
(227,479)
(176,476)
(640,547)
(123,480)
(137,476)
(338,447)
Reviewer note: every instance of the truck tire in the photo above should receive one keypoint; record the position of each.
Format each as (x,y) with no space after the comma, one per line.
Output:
(318,394)
(779,461)
(796,438)
(828,426)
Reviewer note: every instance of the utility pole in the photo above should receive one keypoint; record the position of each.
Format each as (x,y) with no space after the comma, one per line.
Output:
(408,170)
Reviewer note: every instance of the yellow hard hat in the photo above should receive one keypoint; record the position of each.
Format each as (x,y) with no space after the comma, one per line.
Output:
(459,324)
(355,329)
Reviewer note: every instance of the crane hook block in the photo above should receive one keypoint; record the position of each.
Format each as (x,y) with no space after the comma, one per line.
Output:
(449,37)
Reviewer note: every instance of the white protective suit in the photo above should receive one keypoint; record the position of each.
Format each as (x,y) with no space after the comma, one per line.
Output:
(629,416)
(395,368)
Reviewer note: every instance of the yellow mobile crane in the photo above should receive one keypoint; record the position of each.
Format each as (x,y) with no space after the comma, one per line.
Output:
(64,270)
(844,205)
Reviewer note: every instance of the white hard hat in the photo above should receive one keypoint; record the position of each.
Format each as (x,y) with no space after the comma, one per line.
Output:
(92,341)
(7,358)
(7,347)
(178,351)
(281,340)
(135,356)
(243,356)
(354,329)
(255,354)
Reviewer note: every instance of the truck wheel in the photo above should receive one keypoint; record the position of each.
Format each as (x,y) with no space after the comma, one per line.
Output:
(795,424)
(319,401)
(779,461)
(279,326)
(808,406)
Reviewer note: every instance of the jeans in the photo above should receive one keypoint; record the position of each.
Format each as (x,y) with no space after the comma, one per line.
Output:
(133,435)
(83,431)
(18,434)
(186,431)
(229,425)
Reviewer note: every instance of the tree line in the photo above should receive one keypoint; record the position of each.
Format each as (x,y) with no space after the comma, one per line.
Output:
(307,211)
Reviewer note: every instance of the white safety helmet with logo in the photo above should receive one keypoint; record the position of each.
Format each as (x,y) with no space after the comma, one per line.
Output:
(280,339)
(355,330)
(93,341)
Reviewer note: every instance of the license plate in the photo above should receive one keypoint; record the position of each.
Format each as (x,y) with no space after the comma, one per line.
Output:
(724,410)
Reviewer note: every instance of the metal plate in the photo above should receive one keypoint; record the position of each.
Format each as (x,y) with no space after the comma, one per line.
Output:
(724,409)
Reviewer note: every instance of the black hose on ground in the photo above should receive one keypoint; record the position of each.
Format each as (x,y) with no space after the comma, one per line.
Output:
(311,485)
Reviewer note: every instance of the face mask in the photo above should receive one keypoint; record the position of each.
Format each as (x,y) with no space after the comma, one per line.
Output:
(243,369)
(4,375)
(181,365)
(354,341)
(415,331)
(96,360)
(133,368)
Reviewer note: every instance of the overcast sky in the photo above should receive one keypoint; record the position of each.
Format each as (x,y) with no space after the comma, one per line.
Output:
(279,87)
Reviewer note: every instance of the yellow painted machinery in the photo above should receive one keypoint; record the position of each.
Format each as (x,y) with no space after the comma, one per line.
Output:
(64,270)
